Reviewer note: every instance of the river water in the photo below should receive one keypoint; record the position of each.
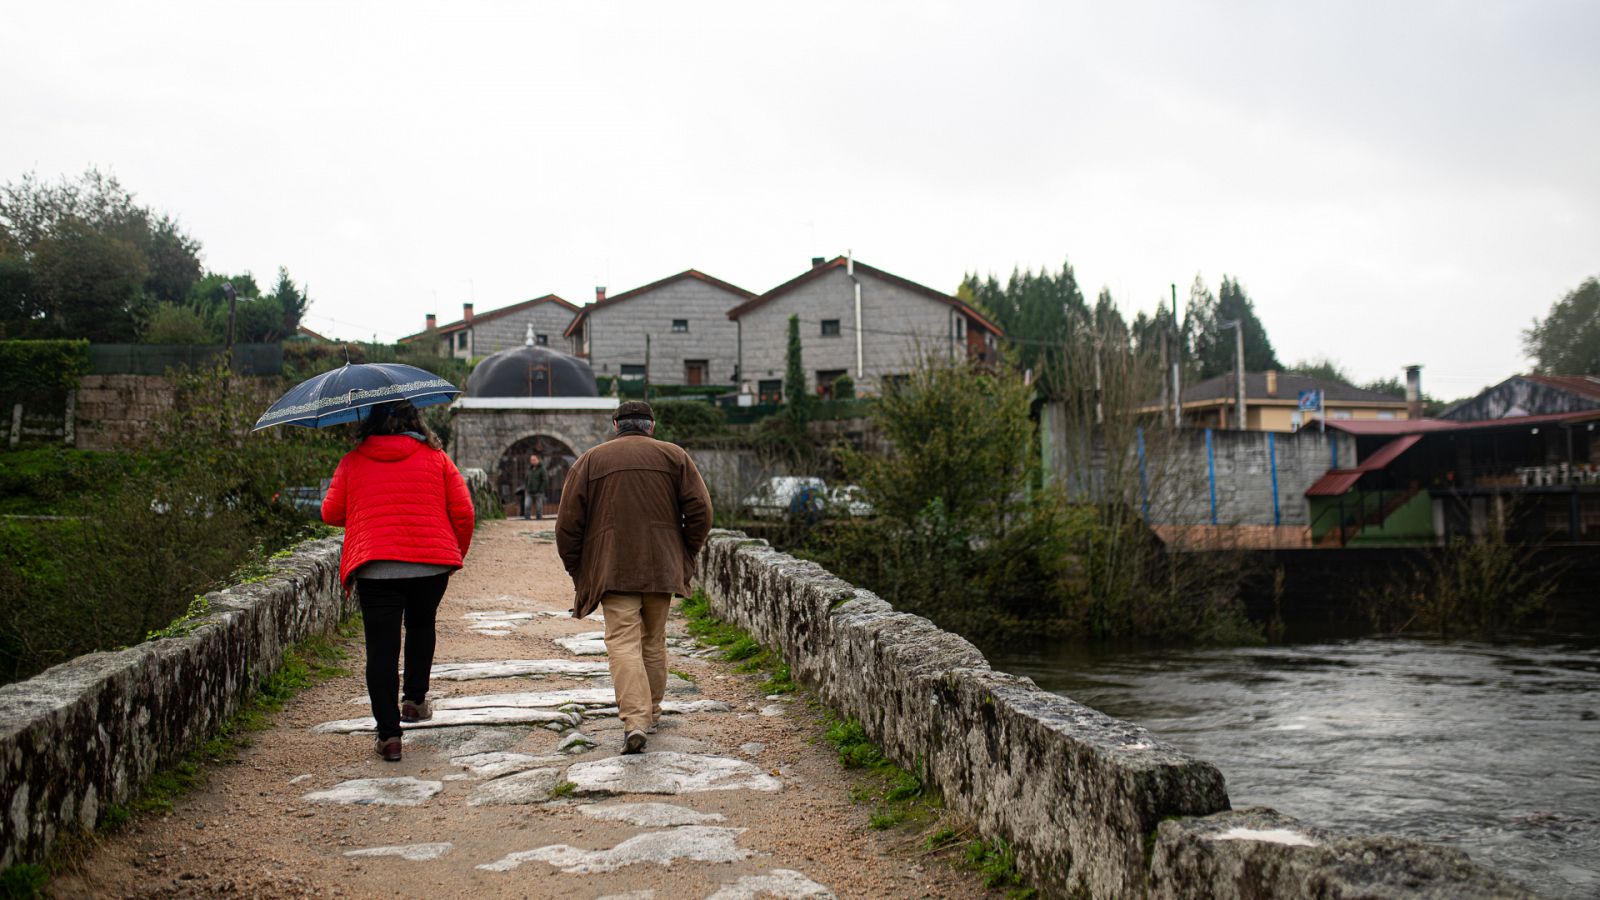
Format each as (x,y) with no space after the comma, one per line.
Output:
(1490,748)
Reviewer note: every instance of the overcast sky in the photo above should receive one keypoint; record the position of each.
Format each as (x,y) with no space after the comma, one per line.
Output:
(1392,182)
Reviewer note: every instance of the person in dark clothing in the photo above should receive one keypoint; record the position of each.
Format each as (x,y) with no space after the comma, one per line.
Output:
(408,523)
(534,485)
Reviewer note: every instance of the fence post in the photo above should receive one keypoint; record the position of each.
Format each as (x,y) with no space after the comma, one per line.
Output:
(16,424)
(1272,462)
(1211,475)
(69,436)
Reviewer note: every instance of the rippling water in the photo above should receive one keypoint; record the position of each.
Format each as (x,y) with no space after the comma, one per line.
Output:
(1490,748)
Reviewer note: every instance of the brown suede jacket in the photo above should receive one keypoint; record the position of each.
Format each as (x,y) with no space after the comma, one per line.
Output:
(634,513)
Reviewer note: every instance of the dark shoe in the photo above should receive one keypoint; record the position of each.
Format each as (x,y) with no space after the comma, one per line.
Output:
(633,743)
(412,711)
(388,748)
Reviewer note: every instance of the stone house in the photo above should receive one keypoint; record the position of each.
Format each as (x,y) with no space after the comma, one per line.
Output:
(678,327)
(899,319)
(473,336)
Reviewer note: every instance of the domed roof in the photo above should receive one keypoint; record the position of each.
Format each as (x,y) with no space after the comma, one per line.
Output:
(530,371)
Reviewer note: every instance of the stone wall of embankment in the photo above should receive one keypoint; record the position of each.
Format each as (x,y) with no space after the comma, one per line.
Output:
(90,732)
(1093,806)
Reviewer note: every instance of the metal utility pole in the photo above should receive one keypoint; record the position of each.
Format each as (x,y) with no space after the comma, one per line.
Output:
(1177,363)
(233,298)
(1238,364)
(647,367)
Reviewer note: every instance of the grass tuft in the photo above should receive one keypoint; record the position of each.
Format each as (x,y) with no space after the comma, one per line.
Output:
(24,881)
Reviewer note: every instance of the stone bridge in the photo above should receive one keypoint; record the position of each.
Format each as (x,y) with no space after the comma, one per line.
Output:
(515,787)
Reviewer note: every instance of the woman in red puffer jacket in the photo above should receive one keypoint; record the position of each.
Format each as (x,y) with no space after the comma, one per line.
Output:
(408,521)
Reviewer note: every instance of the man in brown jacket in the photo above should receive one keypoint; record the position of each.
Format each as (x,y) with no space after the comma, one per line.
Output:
(634,514)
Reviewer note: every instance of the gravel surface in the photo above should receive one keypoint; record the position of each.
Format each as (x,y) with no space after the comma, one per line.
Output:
(272,824)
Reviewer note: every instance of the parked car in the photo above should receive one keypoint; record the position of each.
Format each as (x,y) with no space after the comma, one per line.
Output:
(306,500)
(804,496)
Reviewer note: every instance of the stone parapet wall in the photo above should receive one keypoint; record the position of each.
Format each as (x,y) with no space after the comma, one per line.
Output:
(118,411)
(90,732)
(1074,791)
(1094,806)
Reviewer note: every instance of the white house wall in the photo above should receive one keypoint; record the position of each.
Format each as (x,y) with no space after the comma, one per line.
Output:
(895,322)
(511,330)
(617,332)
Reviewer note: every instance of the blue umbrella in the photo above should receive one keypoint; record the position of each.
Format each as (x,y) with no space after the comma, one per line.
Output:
(347,393)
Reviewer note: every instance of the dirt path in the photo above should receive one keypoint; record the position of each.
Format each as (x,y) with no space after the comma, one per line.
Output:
(735,798)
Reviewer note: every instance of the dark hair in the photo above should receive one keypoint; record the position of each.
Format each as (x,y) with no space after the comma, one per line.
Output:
(397,417)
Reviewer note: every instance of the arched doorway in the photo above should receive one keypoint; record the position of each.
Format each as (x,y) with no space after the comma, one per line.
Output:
(513,468)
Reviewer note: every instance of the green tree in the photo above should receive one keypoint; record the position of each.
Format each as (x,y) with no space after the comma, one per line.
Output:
(796,398)
(1392,386)
(1322,367)
(176,323)
(291,300)
(1214,348)
(81,258)
(88,283)
(1567,340)
(1044,314)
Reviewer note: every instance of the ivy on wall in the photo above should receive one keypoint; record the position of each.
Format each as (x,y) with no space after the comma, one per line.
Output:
(42,365)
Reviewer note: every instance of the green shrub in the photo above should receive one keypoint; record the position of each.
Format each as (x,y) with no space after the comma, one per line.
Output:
(684,420)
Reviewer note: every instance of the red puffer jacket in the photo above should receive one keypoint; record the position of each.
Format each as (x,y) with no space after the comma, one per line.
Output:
(401,500)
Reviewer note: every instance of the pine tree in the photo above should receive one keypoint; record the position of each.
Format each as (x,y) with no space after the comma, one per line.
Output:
(796,397)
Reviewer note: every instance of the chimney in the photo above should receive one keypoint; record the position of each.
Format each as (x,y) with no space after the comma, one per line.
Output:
(433,321)
(466,311)
(1272,382)
(1413,392)
(818,262)
(599,293)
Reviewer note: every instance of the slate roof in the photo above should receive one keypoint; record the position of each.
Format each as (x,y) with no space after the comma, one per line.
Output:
(628,295)
(839,262)
(1289,388)
(490,316)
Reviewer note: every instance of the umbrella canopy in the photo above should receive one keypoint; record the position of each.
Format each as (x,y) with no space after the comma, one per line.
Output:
(346,393)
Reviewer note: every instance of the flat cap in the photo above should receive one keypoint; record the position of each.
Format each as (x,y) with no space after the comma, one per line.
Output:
(633,409)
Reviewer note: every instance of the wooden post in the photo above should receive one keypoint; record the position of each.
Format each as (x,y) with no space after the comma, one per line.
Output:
(69,437)
(16,424)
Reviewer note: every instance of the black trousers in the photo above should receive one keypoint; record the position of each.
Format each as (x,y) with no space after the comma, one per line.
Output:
(386,604)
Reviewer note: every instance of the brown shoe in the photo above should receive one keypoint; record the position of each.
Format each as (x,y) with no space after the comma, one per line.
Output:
(633,743)
(411,711)
(388,748)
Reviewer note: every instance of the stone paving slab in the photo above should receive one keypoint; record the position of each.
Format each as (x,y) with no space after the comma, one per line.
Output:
(511,668)
(785,883)
(668,772)
(699,843)
(413,852)
(403,791)
(650,815)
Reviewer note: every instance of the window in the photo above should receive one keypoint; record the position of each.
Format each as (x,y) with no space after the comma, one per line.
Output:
(543,340)
(1385,413)
(631,371)
(961,328)
(825,380)
(461,341)
(696,371)
(830,327)
(1340,414)
(680,326)
(770,391)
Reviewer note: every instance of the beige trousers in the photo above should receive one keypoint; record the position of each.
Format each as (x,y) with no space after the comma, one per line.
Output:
(636,644)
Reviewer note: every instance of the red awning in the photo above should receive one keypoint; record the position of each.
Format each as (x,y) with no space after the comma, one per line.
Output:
(1337,481)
